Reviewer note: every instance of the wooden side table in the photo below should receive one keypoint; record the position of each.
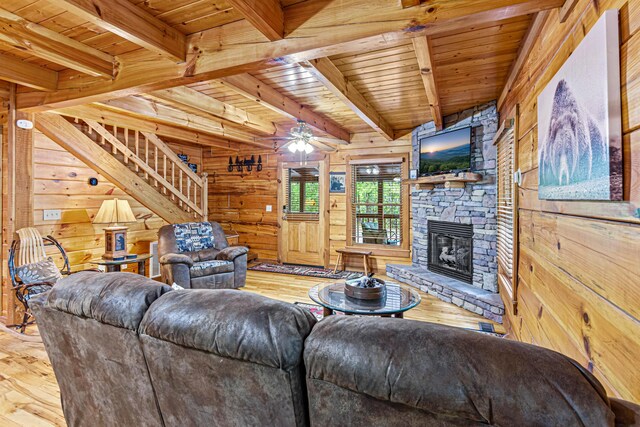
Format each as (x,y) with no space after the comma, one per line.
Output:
(353,251)
(116,265)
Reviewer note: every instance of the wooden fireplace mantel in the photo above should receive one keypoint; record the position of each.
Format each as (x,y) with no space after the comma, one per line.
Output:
(450,180)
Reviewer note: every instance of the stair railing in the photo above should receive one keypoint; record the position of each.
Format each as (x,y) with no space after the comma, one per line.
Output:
(161,166)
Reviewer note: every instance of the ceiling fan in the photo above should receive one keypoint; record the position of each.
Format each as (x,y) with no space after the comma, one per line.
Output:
(302,140)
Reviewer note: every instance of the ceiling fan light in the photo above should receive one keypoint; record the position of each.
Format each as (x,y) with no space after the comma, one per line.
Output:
(308,148)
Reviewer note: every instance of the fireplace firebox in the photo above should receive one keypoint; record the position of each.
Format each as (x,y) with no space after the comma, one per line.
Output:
(451,249)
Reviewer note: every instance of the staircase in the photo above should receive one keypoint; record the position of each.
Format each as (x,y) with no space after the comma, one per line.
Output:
(139,163)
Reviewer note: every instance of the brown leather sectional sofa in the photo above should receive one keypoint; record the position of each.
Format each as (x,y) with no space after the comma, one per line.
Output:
(127,351)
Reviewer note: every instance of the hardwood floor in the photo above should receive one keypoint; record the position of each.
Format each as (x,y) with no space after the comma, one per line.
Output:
(29,394)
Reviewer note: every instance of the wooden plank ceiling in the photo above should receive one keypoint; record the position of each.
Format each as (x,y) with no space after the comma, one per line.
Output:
(340,82)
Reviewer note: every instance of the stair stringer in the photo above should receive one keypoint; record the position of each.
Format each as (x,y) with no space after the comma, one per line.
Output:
(77,143)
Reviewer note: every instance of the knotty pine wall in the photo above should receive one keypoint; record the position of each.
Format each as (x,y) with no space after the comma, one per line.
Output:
(238,200)
(579,269)
(61,182)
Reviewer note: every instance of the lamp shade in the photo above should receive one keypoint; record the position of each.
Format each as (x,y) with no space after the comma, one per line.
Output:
(114,212)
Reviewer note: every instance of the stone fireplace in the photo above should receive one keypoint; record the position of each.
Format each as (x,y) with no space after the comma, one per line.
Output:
(451,249)
(454,229)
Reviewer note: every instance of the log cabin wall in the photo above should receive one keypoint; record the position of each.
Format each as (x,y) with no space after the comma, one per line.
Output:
(578,289)
(238,200)
(61,182)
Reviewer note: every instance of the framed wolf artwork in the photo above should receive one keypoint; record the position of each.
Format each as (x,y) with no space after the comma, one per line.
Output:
(579,121)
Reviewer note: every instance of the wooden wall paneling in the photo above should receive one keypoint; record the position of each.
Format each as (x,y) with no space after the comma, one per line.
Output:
(238,200)
(578,272)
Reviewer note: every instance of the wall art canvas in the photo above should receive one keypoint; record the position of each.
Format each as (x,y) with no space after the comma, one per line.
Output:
(579,121)
(337,182)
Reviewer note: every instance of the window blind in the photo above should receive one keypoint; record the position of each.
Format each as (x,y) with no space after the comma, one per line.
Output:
(376,203)
(506,209)
(303,194)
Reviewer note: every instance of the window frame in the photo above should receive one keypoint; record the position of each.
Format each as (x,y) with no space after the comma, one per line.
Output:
(402,250)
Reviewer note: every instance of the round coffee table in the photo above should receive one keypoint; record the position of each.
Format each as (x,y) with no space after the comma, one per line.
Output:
(398,299)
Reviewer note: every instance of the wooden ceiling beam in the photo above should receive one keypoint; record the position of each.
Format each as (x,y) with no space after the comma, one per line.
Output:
(132,23)
(57,48)
(339,27)
(424,54)
(161,113)
(566,9)
(409,3)
(535,28)
(254,89)
(332,78)
(110,117)
(196,102)
(265,15)
(26,74)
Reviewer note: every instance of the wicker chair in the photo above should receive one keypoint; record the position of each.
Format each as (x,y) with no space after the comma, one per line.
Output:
(28,249)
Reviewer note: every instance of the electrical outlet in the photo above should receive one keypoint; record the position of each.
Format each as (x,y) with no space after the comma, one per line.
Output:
(52,214)
(124,266)
(102,268)
(269,208)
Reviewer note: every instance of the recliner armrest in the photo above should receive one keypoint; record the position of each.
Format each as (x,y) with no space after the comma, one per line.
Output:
(176,259)
(232,252)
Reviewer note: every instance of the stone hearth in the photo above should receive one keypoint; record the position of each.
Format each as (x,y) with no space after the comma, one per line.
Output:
(474,204)
(487,304)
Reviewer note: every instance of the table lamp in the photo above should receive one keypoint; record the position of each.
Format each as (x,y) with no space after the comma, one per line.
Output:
(115,212)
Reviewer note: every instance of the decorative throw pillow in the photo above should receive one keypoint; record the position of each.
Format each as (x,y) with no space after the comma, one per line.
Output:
(39,272)
(193,236)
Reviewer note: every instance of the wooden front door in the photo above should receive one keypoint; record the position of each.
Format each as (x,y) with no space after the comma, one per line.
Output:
(302,213)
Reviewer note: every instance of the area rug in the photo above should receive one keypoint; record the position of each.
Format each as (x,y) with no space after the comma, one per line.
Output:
(317,311)
(302,270)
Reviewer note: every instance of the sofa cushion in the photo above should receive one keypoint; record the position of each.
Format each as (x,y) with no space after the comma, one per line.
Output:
(193,236)
(207,268)
(117,299)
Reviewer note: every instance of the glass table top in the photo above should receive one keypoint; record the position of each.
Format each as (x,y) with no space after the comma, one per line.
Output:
(398,298)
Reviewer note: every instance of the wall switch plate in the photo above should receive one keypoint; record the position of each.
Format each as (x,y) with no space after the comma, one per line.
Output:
(269,208)
(52,214)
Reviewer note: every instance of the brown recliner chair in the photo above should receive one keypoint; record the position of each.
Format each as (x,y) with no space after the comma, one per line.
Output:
(197,255)
(89,323)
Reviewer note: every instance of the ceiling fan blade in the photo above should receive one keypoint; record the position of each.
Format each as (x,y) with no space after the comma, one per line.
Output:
(330,140)
(272,138)
(321,145)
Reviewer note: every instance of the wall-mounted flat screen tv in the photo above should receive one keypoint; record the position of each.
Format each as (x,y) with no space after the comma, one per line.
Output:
(446,152)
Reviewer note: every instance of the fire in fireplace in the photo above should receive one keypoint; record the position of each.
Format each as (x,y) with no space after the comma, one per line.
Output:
(451,249)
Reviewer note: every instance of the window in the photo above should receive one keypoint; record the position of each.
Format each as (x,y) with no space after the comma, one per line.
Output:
(506,211)
(303,193)
(376,203)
